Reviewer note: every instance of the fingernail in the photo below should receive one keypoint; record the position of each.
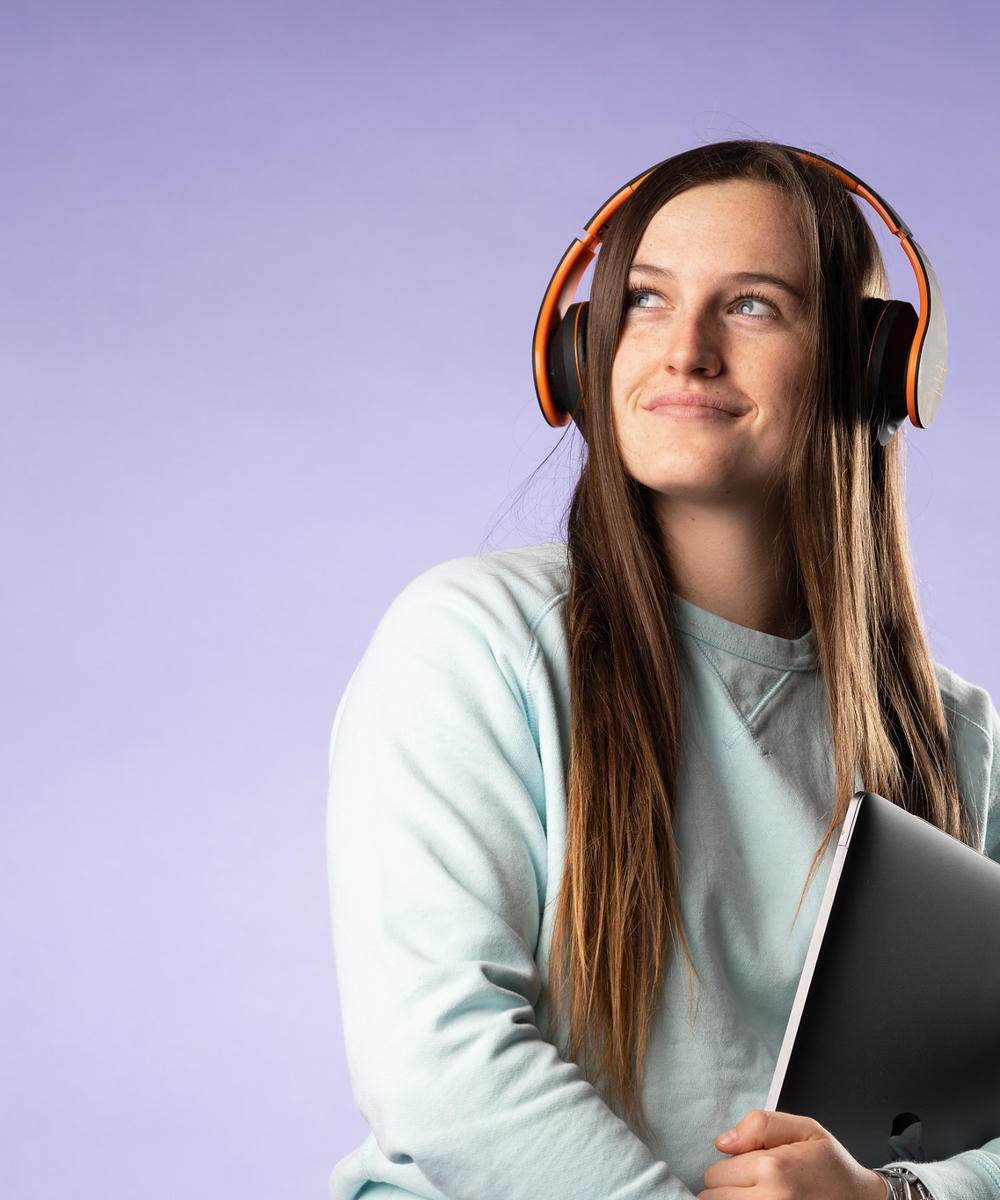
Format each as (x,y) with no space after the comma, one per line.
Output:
(727,1138)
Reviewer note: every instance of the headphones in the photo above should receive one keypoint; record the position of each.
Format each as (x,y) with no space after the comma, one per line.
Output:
(906,352)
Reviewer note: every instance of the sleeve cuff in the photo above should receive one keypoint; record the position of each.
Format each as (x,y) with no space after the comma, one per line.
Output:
(974,1175)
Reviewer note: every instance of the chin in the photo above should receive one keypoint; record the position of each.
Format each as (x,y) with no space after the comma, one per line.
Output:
(694,480)
(709,490)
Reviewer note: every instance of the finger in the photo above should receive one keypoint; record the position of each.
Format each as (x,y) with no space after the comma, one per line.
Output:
(761,1130)
(739,1171)
(756,1168)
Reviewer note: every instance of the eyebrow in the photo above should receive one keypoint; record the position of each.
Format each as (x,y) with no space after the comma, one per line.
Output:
(737,277)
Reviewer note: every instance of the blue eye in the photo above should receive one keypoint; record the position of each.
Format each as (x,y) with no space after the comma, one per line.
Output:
(643,298)
(752,305)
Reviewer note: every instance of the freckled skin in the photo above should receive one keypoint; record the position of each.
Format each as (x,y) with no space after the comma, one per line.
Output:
(698,330)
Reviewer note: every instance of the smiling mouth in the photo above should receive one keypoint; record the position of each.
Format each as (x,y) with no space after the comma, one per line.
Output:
(694,404)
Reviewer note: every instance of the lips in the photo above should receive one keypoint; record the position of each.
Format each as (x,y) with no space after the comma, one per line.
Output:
(694,404)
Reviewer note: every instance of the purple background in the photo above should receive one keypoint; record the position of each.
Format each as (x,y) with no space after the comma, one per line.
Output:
(269,278)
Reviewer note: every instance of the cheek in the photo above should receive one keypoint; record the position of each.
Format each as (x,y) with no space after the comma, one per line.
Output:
(619,378)
(797,388)
(789,389)
(792,395)
(788,378)
(621,386)
(800,365)
(628,437)
(630,370)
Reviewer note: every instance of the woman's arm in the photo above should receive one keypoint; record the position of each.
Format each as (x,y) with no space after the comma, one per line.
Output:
(441,763)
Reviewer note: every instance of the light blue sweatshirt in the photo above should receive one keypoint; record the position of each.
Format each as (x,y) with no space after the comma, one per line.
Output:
(447,828)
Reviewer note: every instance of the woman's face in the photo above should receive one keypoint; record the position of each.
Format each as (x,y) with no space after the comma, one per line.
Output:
(714,353)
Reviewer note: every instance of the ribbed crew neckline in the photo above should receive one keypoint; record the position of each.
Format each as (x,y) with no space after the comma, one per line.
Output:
(788,654)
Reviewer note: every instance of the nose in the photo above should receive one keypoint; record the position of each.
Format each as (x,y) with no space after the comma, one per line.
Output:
(692,344)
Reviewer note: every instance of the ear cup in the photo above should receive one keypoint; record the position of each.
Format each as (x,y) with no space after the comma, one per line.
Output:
(890,326)
(565,359)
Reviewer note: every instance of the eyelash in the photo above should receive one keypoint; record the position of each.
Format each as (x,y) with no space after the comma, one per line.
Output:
(751,294)
(634,290)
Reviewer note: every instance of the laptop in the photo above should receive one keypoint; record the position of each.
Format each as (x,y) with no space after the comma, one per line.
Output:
(893,1043)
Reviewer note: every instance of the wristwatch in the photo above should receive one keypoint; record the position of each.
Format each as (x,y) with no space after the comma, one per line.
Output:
(901,1184)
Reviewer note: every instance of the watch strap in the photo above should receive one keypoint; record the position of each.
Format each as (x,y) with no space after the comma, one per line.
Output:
(902,1184)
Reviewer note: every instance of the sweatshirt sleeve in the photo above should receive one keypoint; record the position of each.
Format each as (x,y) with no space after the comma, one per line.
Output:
(437,853)
(975,731)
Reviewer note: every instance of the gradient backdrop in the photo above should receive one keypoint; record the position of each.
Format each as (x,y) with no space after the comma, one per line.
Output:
(269,274)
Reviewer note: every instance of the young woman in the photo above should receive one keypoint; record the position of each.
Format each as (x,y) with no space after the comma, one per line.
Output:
(582,795)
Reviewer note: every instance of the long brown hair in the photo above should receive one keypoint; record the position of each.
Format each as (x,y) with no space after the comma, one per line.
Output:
(618,907)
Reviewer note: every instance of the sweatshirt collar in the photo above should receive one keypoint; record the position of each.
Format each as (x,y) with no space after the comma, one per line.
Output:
(788,654)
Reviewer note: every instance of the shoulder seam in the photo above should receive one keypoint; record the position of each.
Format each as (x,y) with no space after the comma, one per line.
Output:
(532,653)
(553,600)
(955,712)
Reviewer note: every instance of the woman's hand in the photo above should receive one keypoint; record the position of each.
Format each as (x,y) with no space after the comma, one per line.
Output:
(778,1156)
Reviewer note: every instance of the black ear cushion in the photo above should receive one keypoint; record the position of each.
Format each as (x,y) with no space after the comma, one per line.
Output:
(890,326)
(566,357)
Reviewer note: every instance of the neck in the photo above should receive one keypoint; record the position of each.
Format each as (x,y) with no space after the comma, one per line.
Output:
(734,561)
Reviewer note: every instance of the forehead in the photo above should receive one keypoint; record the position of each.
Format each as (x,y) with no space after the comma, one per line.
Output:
(737,225)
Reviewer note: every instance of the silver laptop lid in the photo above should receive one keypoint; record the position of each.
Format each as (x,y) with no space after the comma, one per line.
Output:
(893,1043)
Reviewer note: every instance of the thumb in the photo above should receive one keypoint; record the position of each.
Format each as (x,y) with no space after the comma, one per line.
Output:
(761,1130)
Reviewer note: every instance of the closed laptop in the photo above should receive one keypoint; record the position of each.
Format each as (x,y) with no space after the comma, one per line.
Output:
(893,1043)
